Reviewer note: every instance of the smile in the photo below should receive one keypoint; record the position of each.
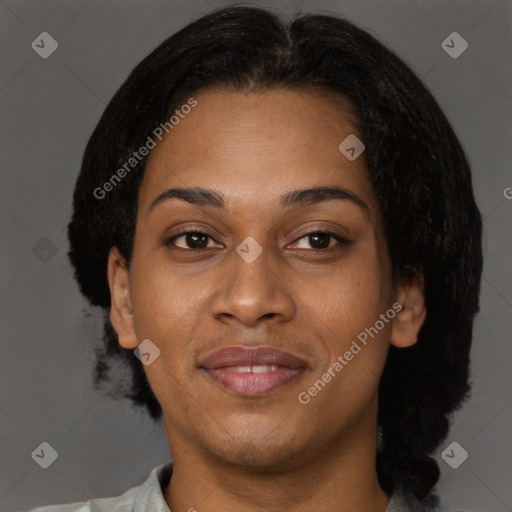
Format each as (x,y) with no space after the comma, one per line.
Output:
(252,371)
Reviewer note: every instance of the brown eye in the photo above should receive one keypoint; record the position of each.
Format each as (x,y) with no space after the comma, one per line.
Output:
(321,241)
(192,239)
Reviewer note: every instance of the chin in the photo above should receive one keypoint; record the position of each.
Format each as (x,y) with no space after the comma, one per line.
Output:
(259,454)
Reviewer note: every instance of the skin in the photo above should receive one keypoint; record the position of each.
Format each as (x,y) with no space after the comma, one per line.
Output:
(241,454)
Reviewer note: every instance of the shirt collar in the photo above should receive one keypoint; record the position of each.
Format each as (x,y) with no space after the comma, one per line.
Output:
(150,498)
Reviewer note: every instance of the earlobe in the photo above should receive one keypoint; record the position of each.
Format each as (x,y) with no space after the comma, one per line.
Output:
(121,308)
(409,320)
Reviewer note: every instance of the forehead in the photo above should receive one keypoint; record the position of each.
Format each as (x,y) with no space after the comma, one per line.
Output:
(257,146)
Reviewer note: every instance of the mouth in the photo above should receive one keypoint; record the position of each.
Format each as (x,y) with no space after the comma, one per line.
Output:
(252,371)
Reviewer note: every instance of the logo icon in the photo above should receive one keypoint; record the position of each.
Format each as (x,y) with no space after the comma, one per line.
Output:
(44,250)
(351,147)
(146,352)
(44,45)
(454,45)
(249,249)
(454,455)
(45,455)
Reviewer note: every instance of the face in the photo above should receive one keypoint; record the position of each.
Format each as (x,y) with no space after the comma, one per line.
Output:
(298,277)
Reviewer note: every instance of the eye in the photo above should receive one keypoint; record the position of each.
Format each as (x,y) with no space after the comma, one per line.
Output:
(321,241)
(193,239)
(197,240)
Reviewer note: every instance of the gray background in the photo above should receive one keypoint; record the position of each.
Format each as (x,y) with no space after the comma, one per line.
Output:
(49,108)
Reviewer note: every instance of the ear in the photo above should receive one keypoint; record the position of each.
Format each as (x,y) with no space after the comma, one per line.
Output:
(121,309)
(408,321)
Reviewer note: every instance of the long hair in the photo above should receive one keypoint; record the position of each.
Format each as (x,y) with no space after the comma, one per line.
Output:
(418,169)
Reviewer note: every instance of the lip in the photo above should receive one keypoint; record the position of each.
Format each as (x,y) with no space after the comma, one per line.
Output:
(251,356)
(220,367)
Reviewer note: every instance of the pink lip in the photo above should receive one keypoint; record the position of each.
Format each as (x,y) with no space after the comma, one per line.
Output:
(218,366)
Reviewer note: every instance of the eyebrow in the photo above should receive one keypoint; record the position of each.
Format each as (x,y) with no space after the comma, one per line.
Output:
(294,198)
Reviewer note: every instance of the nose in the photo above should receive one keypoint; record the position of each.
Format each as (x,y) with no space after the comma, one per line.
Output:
(253,291)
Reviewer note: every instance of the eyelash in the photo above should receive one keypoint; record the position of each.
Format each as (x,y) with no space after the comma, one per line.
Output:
(342,241)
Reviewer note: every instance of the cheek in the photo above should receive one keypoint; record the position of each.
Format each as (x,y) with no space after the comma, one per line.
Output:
(354,296)
(167,311)
(167,306)
(352,327)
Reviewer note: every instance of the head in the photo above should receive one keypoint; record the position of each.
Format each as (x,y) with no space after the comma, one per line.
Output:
(260,111)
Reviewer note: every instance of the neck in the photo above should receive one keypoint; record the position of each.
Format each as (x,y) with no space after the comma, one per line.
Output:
(340,477)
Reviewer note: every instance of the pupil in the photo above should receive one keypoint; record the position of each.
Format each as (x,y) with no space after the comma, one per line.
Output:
(192,236)
(321,236)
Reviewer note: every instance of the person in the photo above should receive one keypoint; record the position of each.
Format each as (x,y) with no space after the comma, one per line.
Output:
(279,223)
